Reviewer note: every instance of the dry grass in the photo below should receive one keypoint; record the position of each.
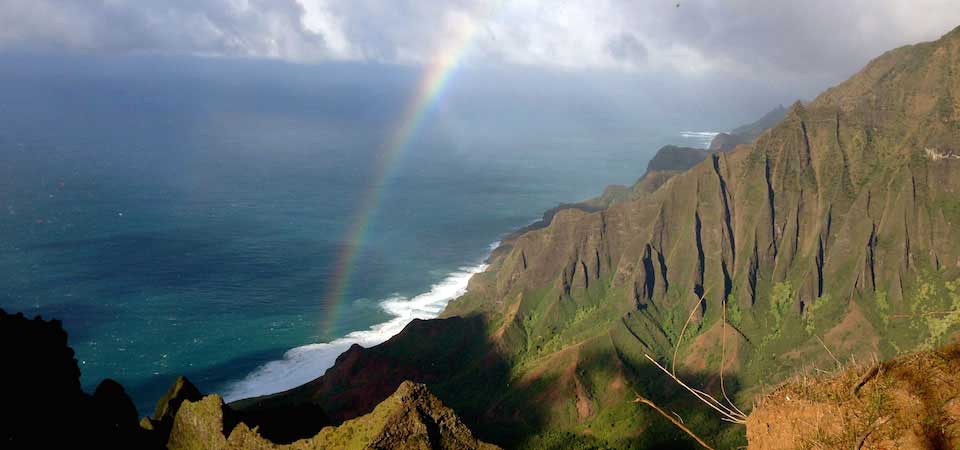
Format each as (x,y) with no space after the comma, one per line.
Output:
(911,402)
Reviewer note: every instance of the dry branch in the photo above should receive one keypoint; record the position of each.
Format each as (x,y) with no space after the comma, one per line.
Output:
(676,349)
(865,378)
(726,412)
(641,399)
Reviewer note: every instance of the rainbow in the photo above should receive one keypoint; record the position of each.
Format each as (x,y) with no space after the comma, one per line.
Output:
(435,77)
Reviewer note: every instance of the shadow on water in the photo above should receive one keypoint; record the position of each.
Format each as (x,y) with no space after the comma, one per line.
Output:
(209,379)
(81,318)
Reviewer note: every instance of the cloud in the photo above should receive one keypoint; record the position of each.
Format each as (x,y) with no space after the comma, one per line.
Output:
(627,48)
(770,38)
(256,28)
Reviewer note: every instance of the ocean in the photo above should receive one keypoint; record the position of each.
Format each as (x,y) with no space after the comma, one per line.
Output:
(185,217)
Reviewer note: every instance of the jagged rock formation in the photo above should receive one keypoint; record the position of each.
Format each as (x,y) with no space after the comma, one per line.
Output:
(410,419)
(912,402)
(162,420)
(834,228)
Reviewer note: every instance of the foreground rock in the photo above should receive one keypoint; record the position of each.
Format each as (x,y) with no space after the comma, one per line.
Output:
(912,402)
(410,419)
(43,404)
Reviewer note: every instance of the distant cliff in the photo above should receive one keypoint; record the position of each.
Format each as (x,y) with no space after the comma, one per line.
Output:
(745,134)
(669,160)
(676,159)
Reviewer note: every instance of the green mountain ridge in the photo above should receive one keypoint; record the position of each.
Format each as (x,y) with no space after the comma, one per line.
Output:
(833,230)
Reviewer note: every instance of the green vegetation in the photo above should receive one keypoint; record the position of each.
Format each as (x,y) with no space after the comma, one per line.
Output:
(781,297)
(811,313)
(939,322)
(883,306)
(734,314)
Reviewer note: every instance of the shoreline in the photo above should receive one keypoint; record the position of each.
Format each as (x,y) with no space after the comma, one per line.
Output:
(306,363)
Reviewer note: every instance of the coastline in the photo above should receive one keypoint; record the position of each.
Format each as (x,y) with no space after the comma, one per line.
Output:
(305,363)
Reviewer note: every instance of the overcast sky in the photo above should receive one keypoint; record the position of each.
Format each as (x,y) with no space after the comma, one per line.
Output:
(766,38)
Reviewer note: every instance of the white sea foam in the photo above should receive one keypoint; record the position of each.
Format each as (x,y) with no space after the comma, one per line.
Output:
(303,364)
(701,137)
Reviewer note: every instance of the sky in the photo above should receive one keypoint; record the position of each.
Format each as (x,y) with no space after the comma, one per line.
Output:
(708,63)
(767,38)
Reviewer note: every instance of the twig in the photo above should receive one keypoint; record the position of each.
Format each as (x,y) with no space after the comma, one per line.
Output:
(704,397)
(865,378)
(673,362)
(641,399)
(723,355)
(828,351)
(863,439)
(931,313)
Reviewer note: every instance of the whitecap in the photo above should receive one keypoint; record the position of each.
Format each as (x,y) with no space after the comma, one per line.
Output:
(702,138)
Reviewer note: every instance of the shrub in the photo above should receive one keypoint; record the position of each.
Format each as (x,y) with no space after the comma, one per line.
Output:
(810,314)
(734,314)
(781,296)
(883,306)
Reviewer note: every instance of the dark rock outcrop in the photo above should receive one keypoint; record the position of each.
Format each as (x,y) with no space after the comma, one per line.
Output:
(44,405)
